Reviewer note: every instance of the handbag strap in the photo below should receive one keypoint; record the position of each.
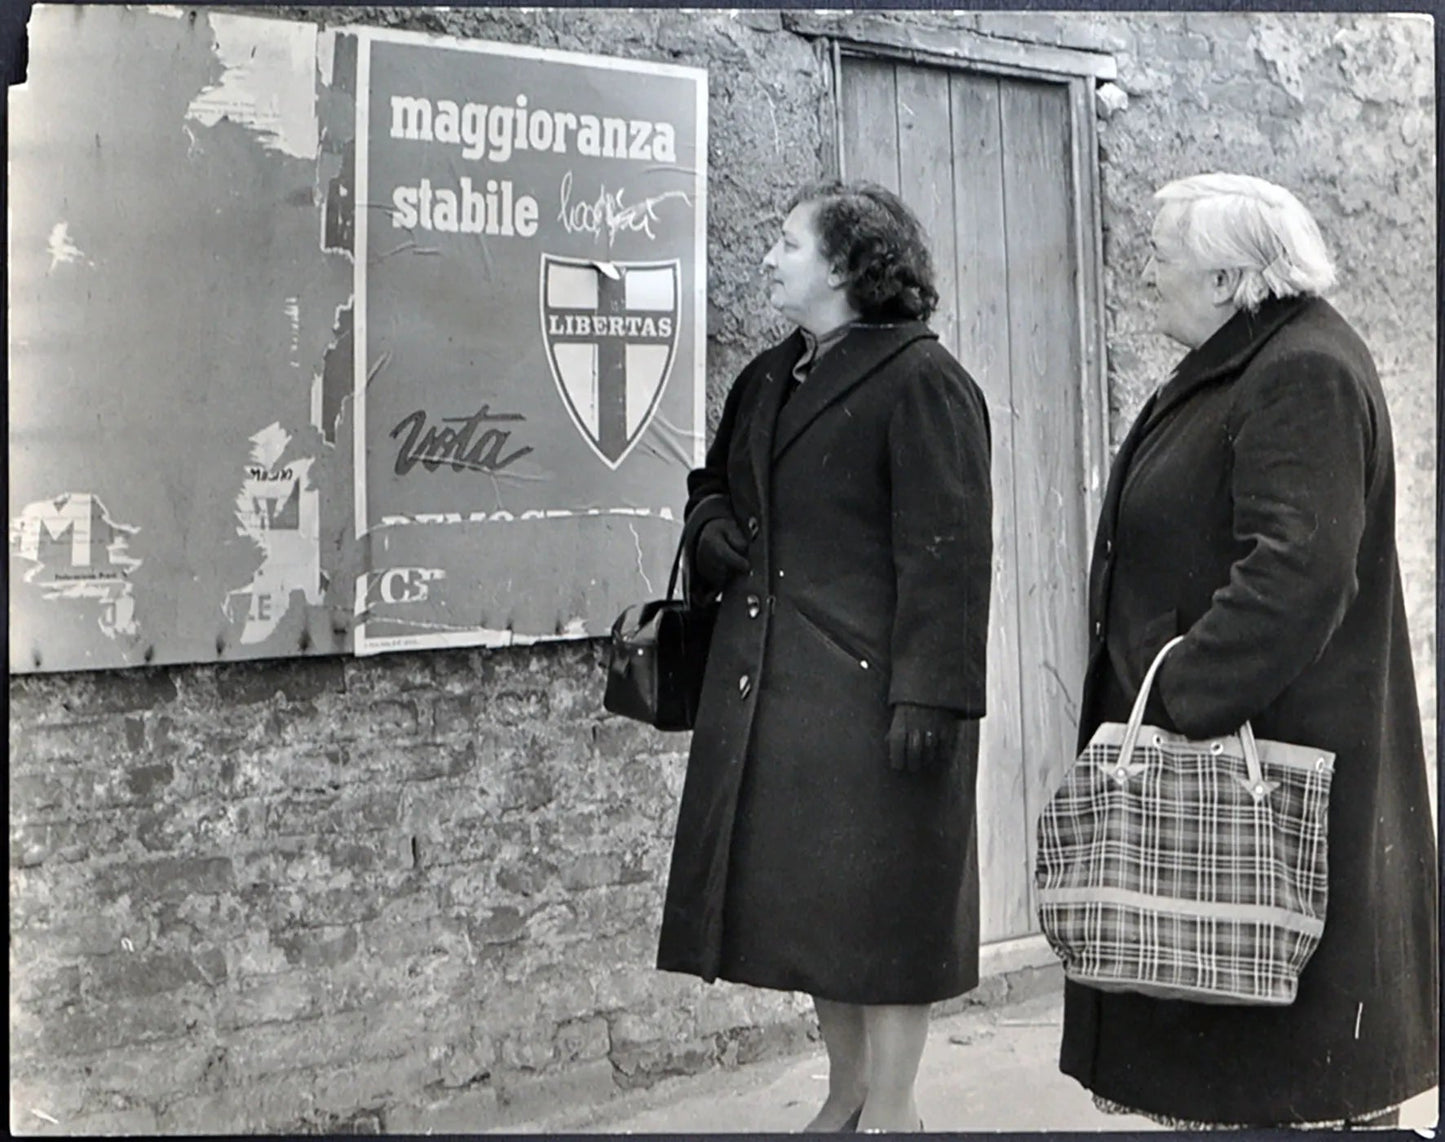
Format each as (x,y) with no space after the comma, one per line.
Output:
(676,565)
(1136,721)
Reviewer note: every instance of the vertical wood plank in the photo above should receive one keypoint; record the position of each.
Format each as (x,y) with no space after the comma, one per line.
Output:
(983,315)
(835,162)
(926,182)
(1094,395)
(869,101)
(1046,367)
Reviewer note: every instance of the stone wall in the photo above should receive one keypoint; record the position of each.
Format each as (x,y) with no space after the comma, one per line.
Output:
(421,891)
(264,896)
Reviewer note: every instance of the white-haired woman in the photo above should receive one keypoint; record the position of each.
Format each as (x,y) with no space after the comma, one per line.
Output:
(1251,509)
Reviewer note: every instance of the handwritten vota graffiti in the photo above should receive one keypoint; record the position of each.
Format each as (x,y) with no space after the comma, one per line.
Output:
(472,443)
(529,365)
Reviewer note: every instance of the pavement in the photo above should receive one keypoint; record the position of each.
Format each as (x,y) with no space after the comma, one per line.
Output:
(985,1069)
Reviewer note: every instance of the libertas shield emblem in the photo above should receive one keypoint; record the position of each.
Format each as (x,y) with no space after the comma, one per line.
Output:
(611,334)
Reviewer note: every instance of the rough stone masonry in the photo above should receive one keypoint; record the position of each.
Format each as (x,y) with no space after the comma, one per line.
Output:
(421,891)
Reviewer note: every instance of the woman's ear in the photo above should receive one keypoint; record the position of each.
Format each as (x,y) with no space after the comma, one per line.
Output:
(1223,285)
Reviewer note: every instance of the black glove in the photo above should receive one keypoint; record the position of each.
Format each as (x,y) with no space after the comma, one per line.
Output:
(721,551)
(921,737)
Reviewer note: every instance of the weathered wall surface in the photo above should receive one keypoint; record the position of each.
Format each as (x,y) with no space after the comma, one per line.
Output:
(421,891)
(252,897)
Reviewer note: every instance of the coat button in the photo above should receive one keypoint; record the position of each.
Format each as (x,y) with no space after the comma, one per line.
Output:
(753,526)
(745,686)
(1098,629)
(754,606)
(1108,547)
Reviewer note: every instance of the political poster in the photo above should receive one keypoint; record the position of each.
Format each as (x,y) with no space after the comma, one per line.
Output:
(529,328)
(331,340)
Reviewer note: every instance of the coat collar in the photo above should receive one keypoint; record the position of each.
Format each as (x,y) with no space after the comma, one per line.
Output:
(1224,355)
(1227,352)
(865,347)
(776,375)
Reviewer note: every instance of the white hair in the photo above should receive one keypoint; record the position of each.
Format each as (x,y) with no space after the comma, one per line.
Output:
(1237,222)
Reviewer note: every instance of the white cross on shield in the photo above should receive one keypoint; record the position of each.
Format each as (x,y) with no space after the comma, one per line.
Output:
(611,334)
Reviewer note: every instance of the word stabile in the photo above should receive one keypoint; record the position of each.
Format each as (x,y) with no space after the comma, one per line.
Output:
(497,211)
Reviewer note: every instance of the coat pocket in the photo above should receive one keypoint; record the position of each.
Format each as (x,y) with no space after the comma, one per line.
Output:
(857,658)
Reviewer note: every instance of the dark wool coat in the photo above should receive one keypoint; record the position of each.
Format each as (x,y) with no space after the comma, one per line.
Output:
(1252,510)
(802,861)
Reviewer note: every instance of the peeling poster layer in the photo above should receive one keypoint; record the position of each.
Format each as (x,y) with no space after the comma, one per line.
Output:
(75,551)
(277,509)
(203,340)
(268,85)
(168,298)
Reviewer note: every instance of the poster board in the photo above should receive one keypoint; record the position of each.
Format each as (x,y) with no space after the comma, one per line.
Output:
(196,474)
(529,284)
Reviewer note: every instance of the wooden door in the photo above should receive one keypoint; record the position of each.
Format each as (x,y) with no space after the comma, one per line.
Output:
(989,165)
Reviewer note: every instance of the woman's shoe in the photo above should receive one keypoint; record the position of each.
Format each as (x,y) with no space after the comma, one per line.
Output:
(851,1125)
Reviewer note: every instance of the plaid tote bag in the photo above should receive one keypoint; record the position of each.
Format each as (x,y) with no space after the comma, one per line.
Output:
(1186,869)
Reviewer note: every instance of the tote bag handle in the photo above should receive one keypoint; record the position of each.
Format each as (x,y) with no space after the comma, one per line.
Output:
(1136,721)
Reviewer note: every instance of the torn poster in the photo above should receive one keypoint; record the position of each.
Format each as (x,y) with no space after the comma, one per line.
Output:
(169,295)
(74,551)
(481,392)
(267,82)
(277,509)
(528,334)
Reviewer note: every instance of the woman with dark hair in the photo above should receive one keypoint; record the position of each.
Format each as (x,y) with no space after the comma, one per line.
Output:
(826,838)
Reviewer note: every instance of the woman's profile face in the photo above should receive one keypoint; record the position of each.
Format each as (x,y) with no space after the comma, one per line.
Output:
(1185,308)
(802,285)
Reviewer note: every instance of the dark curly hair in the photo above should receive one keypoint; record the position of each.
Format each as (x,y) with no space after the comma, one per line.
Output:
(866,232)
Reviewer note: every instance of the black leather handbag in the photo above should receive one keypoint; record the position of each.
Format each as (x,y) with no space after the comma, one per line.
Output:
(656,658)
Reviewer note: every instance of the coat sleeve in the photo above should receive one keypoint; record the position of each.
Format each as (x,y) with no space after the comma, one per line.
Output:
(942,532)
(708,495)
(1302,451)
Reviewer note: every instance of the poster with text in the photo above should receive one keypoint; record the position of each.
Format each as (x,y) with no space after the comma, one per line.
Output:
(530,267)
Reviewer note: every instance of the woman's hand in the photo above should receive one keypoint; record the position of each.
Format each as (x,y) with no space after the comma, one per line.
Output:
(721,550)
(921,737)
